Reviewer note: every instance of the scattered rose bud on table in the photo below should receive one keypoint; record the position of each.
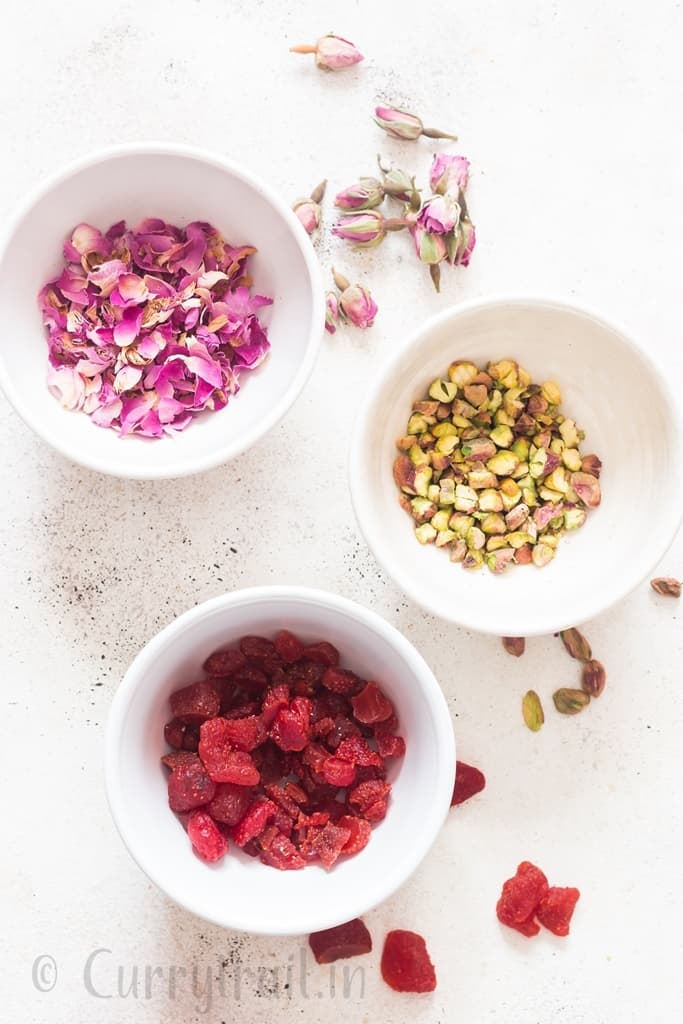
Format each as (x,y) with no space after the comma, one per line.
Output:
(332,53)
(401,124)
(356,305)
(308,210)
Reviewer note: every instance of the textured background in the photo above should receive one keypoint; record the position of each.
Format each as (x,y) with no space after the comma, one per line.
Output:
(567,112)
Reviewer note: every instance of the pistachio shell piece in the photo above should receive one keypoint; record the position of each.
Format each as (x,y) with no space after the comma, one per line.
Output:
(667,586)
(532,711)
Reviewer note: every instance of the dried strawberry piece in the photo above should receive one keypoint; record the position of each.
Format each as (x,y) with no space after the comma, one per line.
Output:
(206,838)
(371,705)
(224,663)
(253,823)
(356,751)
(245,733)
(223,763)
(275,699)
(291,729)
(370,799)
(556,907)
(338,773)
(230,803)
(322,653)
(328,842)
(251,678)
(304,677)
(196,703)
(314,756)
(520,897)
(322,727)
(283,822)
(406,965)
(341,942)
(468,782)
(288,646)
(278,796)
(258,649)
(179,757)
(360,830)
(371,771)
(340,680)
(191,738)
(189,786)
(174,733)
(280,852)
(390,746)
(247,709)
(389,724)
(343,728)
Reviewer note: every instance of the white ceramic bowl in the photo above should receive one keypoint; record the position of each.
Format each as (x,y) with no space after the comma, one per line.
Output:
(179,184)
(241,892)
(614,392)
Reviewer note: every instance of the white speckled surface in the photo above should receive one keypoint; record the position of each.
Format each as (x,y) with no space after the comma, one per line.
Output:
(567,111)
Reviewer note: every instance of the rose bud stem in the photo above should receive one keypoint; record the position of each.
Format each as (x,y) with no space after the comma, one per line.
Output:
(435,274)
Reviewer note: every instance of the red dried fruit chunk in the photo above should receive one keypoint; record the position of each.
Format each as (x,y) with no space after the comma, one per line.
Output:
(196,703)
(556,908)
(360,830)
(370,798)
(390,746)
(253,823)
(328,842)
(339,680)
(191,738)
(279,797)
(389,724)
(274,700)
(371,772)
(468,782)
(189,786)
(343,727)
(280,852)
(222,762)
(291,729)
(230,803)
(207,839)
(174,733)
(322,727)
(283,822)
(371,705)
(224,663)
(245,710)
(251,678)
(288,646)
(245,733)
(406,965)
(350,939)
(520,898)
(179,757)
(338,773)
(355,750)
(330,705)
(322,653)
(259,651)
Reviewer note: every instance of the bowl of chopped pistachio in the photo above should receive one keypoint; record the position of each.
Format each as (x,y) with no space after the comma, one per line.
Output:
(517,467)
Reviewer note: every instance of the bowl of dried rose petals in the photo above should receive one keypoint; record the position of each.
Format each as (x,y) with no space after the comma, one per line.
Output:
(279,760)
(162,311)
(517,466)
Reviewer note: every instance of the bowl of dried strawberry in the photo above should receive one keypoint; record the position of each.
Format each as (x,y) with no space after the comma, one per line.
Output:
(279,760)
(163,309)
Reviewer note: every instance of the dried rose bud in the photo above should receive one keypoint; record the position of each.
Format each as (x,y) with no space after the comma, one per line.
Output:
(365,229)
(464,240)
(403,125)
(308,210)
(399,185)
(430,248)
(439,215)
(593,678)
(570,702)
(357,306)
(364,195)
(449,174)
(331,312)
(332,53)
(667,586)
(514,645)
(576,644)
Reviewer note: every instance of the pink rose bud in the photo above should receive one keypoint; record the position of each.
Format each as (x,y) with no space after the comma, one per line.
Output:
(403,125)
(466,240)
(364,195)
(308,210)
(439,215)
(430,248)
(331,312)
(365,229)
(357,306)
(449,173)
(332,53)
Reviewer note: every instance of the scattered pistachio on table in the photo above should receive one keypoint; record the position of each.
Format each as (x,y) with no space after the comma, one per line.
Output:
(593,678)
(514,645)
(576,644)
(570,702)
(667,586)
(490,468)
(532,711)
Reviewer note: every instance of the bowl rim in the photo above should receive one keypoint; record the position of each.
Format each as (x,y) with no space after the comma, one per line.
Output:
(436,810)
(232,447)
(362,503)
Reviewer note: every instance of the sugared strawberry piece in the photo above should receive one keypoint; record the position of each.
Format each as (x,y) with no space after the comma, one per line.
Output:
(258,650)
(191,738)
(337,772)
(556,908)
(206,838)
(322,653)
(521,896)
(343,728)
(288,646)
(196,703)
(253,823)
(245,733)
(341,942)
(275,699)
(222,762)
(224,663)
(174,733)
(280,852)
(360,831)
(189,786)
(339,680)
(389,745)
(370,798)
(406,965)
(329,841)
(468,782)
(371,705)
(355,750)
(291,729)
(230,803)
(179,757)
(251,678)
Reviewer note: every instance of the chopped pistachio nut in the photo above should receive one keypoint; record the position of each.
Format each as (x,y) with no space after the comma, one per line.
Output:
(491,469)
